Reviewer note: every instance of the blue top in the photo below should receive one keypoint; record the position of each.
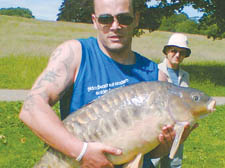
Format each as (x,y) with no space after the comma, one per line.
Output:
(174,75)
(99,73)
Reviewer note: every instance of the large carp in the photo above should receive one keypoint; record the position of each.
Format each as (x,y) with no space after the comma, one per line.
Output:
(131,118)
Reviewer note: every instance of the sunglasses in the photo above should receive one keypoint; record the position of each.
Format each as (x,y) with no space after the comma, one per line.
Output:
(122,18)
(182,52)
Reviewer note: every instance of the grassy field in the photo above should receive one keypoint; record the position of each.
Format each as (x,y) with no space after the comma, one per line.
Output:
(25,47)
(30,43)
(20,148)
(206,76)
(29,37)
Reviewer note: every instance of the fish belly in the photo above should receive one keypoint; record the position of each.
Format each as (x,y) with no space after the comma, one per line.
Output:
(128,118)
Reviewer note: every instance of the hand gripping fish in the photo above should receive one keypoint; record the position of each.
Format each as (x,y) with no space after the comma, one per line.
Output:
(131,118)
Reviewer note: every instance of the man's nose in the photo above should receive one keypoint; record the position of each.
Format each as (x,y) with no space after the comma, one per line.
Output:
(115,24)
(178,53)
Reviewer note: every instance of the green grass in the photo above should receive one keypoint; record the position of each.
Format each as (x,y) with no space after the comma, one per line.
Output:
(202,49)
(25,47)
(20,72)
(20,148)
(205,148)
(206,76)
(30,37)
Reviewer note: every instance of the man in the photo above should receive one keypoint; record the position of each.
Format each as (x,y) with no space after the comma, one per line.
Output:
(175,51)
(90,67)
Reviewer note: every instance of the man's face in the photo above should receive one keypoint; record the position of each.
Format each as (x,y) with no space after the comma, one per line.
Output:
(176,55)
(115,22)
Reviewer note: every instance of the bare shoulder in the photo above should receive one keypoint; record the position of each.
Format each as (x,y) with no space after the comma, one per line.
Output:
(69,49)
(60,72)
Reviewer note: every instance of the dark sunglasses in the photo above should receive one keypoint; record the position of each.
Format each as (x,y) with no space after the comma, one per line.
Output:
(122,18)
(182,52)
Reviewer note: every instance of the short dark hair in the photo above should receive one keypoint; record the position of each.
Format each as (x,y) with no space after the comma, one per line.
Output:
(134,5)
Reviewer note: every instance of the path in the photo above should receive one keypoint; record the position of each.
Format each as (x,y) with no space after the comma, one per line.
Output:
(20,95)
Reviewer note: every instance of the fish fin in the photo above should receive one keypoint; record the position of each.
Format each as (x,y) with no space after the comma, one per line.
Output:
(137,162)
(176,142)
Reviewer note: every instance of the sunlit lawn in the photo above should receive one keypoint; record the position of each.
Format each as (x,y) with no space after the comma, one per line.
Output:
(20,148)
(25,47)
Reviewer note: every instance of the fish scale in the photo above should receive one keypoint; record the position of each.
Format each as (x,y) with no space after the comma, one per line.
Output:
(130,118)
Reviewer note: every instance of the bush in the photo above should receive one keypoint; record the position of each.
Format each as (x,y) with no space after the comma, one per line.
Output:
(187,26)
(168,23)
(23,12)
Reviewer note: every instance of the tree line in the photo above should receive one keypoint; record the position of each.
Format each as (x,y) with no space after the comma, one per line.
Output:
(165,15)
(182,23)
(160,16)
(23,12)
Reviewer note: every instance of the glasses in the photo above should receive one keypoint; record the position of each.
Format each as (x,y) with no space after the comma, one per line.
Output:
(182,52)
(122,18)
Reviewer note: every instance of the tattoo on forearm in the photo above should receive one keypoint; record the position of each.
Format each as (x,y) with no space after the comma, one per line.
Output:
(50,76)
(44,96)
(28,102)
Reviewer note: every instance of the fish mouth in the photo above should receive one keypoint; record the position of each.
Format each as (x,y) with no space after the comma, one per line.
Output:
(212,105)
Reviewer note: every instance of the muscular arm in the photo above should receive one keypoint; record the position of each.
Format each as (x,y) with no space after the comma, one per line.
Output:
(37,113)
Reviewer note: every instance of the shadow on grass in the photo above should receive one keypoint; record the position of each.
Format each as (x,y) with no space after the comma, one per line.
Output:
(205,73)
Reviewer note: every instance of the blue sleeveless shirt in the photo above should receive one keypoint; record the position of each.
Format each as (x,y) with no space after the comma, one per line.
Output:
(99,73)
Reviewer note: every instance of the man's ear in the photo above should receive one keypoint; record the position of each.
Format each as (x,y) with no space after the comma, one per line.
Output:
(94,20)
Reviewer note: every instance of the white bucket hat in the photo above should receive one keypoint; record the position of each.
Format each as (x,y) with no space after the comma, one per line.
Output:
(178,40)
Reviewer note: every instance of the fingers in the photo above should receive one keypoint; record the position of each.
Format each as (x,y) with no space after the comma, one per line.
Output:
(95,156)
(111,150)
(187,130)
(194,126)
(166,137)
(168,133)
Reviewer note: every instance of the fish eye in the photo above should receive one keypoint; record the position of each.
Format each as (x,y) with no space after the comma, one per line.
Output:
(196,98)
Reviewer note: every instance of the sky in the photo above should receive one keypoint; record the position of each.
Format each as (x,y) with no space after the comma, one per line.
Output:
(41,9)
(48,9)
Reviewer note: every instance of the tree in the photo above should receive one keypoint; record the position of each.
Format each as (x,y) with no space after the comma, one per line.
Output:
(214,11)
(187,26)
(152,16)
(76,11)
(209,28)
(179,23)
(23,12)
(169,23)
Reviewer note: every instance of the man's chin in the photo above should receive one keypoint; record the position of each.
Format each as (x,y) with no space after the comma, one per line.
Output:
(116,47)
